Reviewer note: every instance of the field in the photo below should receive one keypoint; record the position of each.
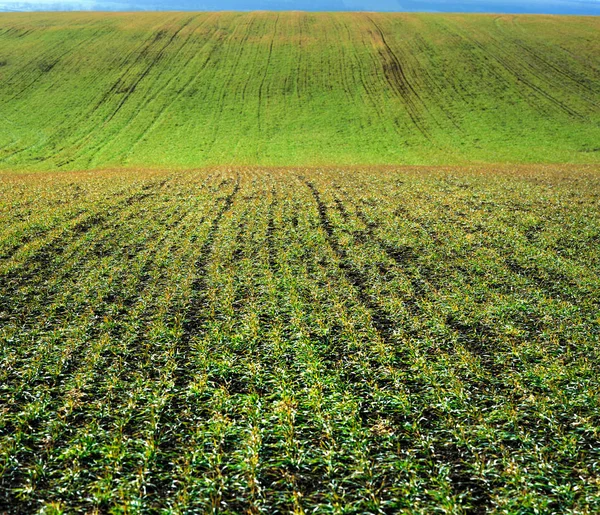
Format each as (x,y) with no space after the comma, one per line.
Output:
(251,340)
(175,90)
(272,263)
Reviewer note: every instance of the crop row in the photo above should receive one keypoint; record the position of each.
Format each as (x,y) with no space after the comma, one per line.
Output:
(269,341)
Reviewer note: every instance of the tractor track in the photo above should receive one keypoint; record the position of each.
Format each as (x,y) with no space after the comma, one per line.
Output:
(399,82)
(461,481)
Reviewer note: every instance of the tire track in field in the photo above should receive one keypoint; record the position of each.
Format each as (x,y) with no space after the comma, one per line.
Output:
(129,89)
(568,73)
(193,324)
(195,311)
(518,76)
(60,386)
(48,66)
(180,92)
(155,60)
(138,53)
(235,242)
(343,59)
(461,480)
(300,83)
(264,77)
(562,72)
(477,337)
(372,91)
(15,32)
(460,93)
(437,91)
(150,96)
(348,75)
(166,240)
(28,236)
(246,83)
(141,51)
(540,72)
(470,335)
(78,217)
(473,336)
(48,60)
(382,323)
(401,256)
(271,229)
(112,299)
(44,259)
(39,303)
(450,453)
(78,417)
(224,90)
(398,80)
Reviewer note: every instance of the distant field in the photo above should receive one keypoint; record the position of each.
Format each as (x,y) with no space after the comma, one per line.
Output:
(301,341)
(83,90)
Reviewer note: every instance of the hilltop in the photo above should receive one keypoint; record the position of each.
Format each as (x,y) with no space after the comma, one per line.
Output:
(92,90)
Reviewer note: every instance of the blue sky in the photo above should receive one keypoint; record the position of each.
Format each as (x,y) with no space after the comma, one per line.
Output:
(501,6)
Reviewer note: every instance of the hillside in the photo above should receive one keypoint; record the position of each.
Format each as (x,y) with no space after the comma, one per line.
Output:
(92,90)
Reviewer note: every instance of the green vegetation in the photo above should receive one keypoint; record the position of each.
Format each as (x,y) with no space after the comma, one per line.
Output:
(301,341)
(230,305)
(89,91)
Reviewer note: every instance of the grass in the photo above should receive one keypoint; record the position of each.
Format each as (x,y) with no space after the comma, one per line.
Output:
(89,91)
(386,340)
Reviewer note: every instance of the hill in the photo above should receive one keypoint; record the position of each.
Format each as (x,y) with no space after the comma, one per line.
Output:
(92,90)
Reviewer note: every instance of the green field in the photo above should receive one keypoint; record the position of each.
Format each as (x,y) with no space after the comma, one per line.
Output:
(260,263)
(301,341)
(89,91)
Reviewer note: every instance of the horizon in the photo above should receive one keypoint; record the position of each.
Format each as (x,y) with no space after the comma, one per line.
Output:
(556,7)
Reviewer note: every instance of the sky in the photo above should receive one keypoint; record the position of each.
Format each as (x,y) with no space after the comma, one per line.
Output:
(590,7)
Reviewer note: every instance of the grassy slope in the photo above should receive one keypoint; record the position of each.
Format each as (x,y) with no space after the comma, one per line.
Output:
(180,89)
